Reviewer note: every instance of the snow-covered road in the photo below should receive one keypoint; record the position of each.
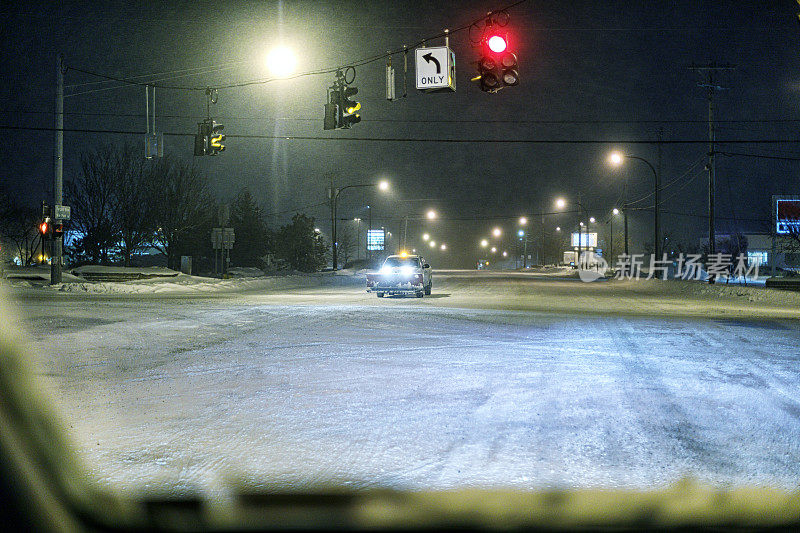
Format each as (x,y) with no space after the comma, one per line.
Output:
(322,385)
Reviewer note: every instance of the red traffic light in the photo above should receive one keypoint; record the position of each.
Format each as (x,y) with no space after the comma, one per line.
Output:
(43,228)
(497,43)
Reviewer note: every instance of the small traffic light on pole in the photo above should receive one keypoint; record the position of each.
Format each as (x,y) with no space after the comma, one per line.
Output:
(46,228)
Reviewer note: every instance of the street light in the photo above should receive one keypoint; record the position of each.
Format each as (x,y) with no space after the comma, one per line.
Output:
(431,214)
(505,254)
(497,232)
(443,247)
(333,194)
(560,203)
(425,236)
(484,243)
(433,244)
(523,221)
(281,61)
(614,213)
(494,250)
(616,159)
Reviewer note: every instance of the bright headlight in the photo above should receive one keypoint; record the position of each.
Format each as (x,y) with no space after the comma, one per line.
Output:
(407,270)
(386,270)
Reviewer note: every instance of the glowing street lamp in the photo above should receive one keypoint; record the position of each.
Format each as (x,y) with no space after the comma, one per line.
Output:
(494,250)
(281,61)
(505,254)
(615,211)
(592,220)
(616,159)
(521,233)
(433,244)
(561,203)
(558,228)
(443,247)
(497,232)
(431,214)
(484,243)
(383,185)
(523,221)
(425,236)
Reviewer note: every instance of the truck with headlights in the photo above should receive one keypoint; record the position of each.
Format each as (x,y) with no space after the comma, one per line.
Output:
(401,274)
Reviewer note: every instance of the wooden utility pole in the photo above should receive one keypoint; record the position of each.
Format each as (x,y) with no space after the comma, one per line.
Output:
(708,70)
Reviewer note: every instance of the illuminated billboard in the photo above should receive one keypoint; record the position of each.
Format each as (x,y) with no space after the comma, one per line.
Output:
(579,239)
(375,240)
(786,211)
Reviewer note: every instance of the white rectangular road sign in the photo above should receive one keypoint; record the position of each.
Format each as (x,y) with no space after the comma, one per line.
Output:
(62,212)
(435,68)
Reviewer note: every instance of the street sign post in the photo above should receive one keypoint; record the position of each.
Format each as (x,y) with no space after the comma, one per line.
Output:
(62,212)
(435,69)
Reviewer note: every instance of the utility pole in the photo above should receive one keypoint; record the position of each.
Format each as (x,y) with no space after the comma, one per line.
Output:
(369,230)
(709,70)
(332,192)
(541,246)
(625,213)
(58,161)
(656,217)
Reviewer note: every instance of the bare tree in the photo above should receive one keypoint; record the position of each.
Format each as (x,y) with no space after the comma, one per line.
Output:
(18,226)
(347,243)
(132,201)
(92,194)
(182,209)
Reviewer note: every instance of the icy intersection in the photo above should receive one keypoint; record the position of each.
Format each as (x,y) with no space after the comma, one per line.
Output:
(327,386)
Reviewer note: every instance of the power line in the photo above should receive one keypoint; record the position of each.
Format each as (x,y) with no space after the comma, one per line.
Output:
(414,139)
(691,167)
(328,70)
(430,121)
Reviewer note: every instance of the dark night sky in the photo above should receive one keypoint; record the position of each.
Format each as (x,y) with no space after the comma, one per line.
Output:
(597,71)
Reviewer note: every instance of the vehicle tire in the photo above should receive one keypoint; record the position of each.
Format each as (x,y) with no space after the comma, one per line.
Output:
(380,294)
(420,294)
(428,289)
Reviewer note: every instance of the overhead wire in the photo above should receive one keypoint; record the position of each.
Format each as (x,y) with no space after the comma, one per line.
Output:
(326,70)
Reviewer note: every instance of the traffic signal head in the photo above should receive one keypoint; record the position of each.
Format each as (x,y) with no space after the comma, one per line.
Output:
(45,228)
(497,66)
(349,107)
(331,121)
(215,139)
(201,139)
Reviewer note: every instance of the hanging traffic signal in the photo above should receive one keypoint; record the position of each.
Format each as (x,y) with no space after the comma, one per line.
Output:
(497,66)
(201,139)
(215,139)
(331,121)
(349,108)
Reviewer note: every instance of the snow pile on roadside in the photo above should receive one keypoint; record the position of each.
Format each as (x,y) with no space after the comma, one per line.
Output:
(142,272)
(185,284)
(705,291)
(33,273)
